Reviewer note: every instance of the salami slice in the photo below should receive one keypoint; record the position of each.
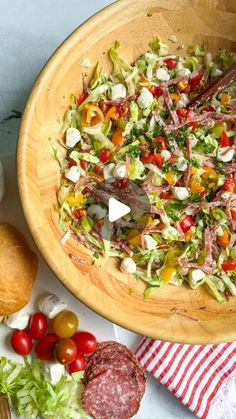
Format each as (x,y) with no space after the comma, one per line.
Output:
(111,395)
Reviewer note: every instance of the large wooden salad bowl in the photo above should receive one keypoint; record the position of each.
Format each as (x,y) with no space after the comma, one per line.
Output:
(171,313)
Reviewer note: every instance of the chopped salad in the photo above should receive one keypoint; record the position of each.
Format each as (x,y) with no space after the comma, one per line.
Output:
(152,123)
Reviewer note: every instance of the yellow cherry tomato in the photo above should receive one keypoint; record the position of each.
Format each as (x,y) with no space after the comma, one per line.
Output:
(65,324)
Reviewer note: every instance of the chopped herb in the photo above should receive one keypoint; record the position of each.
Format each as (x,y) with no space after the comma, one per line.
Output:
(96,255)
(149,14)
(195,163)
(172,89)
(182,137)
(134,152)
(167,167)
(195,197)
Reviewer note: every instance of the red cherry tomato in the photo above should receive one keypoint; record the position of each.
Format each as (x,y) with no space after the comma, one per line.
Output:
(45,347)
(38,326)
(104,156)
(224,140)
(71,162)
(229,266)
(193,81)
(156,91)
(186,223)
(182,112)
(171,63)
(85,342)
(233,214)
(209,108)
(21,342)
(161,143)
(120,183)
(65,351)
(77,365)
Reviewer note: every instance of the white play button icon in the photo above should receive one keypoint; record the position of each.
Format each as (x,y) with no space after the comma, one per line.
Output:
(116,210)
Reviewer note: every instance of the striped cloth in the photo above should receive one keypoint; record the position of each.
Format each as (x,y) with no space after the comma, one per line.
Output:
(202,377)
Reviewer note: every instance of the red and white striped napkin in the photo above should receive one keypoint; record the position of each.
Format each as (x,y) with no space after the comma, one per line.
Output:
(202,377)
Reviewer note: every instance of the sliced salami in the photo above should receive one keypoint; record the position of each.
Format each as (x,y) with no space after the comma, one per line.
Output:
(111,395)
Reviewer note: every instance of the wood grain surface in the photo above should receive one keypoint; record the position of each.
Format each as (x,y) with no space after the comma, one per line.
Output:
(171,313)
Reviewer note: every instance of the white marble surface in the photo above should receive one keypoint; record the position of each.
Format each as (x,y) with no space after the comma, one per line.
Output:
(30,30)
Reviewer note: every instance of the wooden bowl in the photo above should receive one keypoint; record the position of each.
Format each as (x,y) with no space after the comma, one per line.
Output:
(171,313)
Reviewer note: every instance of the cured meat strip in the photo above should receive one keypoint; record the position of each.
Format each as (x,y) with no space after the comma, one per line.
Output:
(111,395)
(220,84)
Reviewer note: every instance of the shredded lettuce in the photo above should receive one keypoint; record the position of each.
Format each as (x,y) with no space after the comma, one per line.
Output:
(75,155)
(31,394)
(97,133)
(119,63)
(158,47)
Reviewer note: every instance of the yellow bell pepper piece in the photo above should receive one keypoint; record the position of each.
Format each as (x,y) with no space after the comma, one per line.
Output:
(196,186)
(225,99)
(175,96)
(91,115)
(194,170)
(134,237)
(188,236)
(111,114)
(182,85)
(171,177)
(209,172)
(75,200)
(167,273)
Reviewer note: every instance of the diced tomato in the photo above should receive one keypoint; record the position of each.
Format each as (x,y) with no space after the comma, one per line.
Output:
(79,213)
(224,139)
(190,114)
(81,97)
(148,158)
(71,162)
(182,112)
(158,159)
(122,110)
(193,81)
(166,195)
(121,183)
(233,214)
(230,185)
(186,223)
(162,145)
(172,158)
(83,164)
(229,266)
(171,63)
(186,89)
(209,108)
(104,156)
(156,91)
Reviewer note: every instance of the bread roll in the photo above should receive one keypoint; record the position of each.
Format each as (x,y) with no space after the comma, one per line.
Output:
(18,268)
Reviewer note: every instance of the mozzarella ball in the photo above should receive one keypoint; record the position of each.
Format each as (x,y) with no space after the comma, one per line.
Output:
(118,91)
(119,170)
(73,136)
(73,174)
(225,154)
(145,98)
(180,192)
(128,266)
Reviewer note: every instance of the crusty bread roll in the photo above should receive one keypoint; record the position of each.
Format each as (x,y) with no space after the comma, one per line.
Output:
(18,268)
